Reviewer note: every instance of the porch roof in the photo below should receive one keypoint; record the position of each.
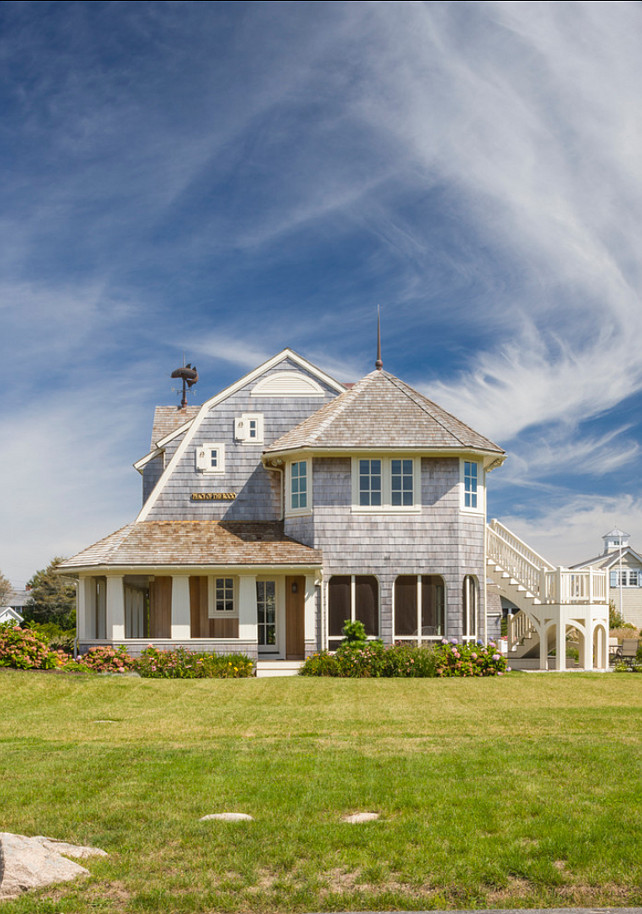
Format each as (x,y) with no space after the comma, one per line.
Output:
(198,543)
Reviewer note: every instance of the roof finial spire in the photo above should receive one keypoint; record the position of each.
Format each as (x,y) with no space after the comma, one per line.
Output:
(378,363)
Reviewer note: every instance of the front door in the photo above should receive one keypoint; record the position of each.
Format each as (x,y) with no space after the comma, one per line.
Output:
(266,616)
(295,618)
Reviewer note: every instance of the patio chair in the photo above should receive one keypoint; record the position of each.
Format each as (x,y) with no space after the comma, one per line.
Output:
(629,650)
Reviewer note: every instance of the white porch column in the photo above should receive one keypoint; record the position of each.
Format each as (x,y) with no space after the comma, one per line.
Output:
(248,630)
(586,658)
(543,646)
(115,608)
(560,641)
(181,621)
(84,627)
(310,611)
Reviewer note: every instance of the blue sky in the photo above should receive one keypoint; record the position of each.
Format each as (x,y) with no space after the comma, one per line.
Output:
(226,179)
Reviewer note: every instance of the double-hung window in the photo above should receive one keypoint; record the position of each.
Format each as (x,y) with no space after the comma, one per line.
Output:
(625,578)
(385,484)
(298,487)
(472,486)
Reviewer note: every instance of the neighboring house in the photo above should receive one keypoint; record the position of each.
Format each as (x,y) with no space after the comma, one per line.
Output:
(12,612)
(288,503)
(9,614)
(624,575)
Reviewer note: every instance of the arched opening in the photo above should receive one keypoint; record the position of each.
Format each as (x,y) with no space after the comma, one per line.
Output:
(469,607)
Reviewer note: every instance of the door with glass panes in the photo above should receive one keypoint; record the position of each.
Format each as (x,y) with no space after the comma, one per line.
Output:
(266,617)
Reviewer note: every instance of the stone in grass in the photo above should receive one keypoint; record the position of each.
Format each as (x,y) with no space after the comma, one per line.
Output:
(34,863)
(358,817)
(228,817)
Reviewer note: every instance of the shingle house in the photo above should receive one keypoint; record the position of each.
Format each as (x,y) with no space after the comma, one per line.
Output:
(624,574)
(288,503)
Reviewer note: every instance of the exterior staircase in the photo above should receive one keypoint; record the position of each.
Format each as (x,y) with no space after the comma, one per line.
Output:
(551,602)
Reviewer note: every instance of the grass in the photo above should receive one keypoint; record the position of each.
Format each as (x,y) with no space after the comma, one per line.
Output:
(513,792)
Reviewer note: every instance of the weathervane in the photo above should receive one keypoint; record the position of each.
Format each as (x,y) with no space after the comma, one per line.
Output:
(378,363)
(189,377)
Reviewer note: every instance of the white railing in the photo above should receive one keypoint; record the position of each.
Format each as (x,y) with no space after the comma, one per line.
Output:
(519,627)
(539,577)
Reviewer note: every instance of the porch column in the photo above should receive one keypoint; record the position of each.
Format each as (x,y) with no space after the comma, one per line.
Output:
(543,646)
(587,645)
(560,641)
(247,608)
(310,634)
(83,604)
(181,622)
(115,606)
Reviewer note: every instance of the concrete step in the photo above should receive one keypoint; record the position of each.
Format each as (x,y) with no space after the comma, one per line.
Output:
(266,668)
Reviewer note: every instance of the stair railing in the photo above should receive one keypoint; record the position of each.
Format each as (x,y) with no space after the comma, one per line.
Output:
(518,628)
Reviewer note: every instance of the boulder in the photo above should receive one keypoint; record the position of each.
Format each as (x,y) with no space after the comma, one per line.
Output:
(34,863)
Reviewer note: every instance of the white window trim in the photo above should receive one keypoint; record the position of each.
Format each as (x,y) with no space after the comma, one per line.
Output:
(386,486)
(623,578)
(241,428)
(203,457)
(212,611)
(481,487)
(289,510)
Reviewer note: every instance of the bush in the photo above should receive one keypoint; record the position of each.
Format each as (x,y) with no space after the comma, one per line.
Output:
(107,660)
(24,649)
(475,659)
(183,664)
(407,660)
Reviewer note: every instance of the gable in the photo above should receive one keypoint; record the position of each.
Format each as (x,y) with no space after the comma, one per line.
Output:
(278,394)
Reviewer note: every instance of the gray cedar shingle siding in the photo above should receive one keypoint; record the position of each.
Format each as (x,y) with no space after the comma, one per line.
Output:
(440,540)
(257,489)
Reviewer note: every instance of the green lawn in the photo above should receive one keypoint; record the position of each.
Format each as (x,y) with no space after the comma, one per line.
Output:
(511,792)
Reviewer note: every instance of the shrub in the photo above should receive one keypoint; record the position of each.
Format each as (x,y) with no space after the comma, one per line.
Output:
(107,660)
(322,664)
(354,634)
(474,659)
(182,664)
(24,649)
(407,660)
(616,619)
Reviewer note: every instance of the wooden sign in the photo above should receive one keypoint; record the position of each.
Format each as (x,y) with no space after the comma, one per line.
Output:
(213,496)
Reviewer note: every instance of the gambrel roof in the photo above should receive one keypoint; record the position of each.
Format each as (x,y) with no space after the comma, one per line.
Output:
(381,411)
(195,543)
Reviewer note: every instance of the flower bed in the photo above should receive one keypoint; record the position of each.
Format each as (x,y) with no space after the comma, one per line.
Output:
(24,649)
(445,659)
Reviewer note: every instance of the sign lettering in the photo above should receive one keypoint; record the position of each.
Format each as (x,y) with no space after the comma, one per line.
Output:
(213,496)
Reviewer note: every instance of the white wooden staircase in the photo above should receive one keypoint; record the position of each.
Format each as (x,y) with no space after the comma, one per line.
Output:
(551,601)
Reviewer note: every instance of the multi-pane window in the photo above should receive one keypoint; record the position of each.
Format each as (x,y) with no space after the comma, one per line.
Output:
(224,595)
(420,607)
(626,578)
(386,483)
(299,485)
(470,484)
(352,598)
(370,482)
(401,479)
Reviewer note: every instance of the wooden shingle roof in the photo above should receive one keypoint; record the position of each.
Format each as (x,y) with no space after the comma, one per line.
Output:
(381,411)
(196,542)
(168,418)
